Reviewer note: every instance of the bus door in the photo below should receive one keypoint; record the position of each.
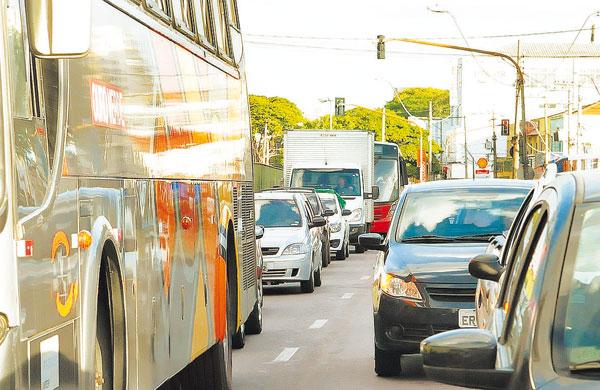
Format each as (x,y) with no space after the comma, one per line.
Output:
(46,240)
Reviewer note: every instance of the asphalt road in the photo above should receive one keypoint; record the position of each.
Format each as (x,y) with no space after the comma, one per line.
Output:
(322,340)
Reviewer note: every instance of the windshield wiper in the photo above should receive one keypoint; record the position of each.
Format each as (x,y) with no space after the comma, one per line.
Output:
(428,237)
(591,365)
(476,237)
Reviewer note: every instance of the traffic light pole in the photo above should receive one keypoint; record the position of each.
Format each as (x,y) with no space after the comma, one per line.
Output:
(520,82)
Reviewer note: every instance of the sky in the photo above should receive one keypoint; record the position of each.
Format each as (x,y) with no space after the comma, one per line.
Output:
(312,50)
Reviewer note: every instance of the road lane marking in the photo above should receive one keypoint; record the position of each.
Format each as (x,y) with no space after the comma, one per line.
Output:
(364,277)
(347,295)
(317,324)
(286,354)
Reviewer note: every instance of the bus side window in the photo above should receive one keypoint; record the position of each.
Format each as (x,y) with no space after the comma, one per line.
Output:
(204,22)
(183,16)
(233,13)
(221,28)
(159,8)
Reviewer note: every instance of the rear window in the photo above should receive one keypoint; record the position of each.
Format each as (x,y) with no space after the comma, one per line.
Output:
(272,213)
(330,204)
(459,213)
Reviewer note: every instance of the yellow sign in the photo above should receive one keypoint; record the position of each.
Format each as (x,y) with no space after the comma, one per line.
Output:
(482,162)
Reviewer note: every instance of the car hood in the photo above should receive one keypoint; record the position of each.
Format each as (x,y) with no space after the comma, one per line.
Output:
(434,263)
(282,237)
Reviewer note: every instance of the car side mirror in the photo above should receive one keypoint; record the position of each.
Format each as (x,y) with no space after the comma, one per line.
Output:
(259,231)
(59,28)
(328,213)
(375,192)
(464,357)
(318,221)
(486,267)
(346,212)
(372,241)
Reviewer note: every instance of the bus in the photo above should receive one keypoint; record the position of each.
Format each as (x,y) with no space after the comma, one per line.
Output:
(390,177)
(126,202)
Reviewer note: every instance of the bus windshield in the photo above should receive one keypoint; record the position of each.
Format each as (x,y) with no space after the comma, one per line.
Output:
(386,178)
(345,182)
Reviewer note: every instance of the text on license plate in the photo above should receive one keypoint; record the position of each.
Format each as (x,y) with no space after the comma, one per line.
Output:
(466,318)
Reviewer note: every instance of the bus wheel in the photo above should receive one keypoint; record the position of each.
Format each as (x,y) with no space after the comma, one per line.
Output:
(239,338)
(103,351)
(254,323)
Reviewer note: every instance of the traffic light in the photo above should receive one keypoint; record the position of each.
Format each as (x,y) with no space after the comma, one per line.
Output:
(340,106)
(380,47)
(505,127)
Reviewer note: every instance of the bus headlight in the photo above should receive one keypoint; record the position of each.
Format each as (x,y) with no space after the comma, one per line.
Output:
(356,216)
(336,227)
(398,287)
(295,249)
(3,327)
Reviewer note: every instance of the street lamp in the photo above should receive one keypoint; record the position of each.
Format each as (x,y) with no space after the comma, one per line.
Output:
(329,100)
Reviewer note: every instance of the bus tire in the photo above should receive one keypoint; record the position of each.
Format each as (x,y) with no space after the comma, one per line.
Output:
(254,322)
(103,365)
(239,338)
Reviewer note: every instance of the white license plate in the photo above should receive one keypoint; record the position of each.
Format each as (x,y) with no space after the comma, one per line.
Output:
(467,318)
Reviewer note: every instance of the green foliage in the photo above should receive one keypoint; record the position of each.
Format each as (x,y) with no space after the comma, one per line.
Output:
(279,114)
(397,129)
(417,100)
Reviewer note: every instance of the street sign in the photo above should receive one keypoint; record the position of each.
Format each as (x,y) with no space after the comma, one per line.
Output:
(482,171)
(482,163)
(340,106)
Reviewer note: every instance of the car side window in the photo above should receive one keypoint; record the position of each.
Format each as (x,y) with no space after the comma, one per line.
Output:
(576,335)
(515,225)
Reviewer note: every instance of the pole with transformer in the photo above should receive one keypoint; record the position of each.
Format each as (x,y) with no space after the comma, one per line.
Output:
(520,84)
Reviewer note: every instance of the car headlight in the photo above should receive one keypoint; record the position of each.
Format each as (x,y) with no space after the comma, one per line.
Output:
(398,287)
(295,249)
(356,216)
(336,227)
(3,327)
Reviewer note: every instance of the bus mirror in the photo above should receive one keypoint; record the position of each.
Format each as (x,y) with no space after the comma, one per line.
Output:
(59,28)
(403,173)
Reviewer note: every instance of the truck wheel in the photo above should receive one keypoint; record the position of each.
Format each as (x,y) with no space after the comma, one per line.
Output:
(308,286)
(386,363)
(359,249)
(254,322)
(317,278)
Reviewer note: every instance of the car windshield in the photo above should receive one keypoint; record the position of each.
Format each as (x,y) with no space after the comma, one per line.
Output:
(345,182)
(330,204)
(272,213)
(386,178)
(581,334)
(458,213)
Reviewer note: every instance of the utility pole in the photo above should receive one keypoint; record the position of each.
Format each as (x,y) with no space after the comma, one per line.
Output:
(466,152)
(383,124)
(569,123)
(494,145)
(420,155)
(429,125)
(578,118)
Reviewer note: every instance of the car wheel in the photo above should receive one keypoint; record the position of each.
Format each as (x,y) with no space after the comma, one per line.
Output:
(347,249)
(359,249)
(254,322)
(341,254)
(324,257)
(318,278)
(387,363)
(308,286)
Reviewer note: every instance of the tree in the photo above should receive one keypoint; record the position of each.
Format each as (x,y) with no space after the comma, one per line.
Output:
(279,114)
(416,101)
(397,130)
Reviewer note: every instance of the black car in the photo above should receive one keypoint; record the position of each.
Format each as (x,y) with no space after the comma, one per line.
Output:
(545,329)
(421,283)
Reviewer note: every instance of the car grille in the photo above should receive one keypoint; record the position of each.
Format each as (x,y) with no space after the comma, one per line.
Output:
(269,251)
(451,294)
(275,273)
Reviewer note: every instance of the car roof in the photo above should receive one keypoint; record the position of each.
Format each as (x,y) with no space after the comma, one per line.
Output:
(470,183)
(327,195)
(278,195)
(304,190)
(587,184)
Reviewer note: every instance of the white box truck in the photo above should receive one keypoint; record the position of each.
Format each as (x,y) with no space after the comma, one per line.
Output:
(342,160)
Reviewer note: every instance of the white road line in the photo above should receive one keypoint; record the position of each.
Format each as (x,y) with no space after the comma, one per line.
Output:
(317,324)
(347,295)
(286,354)
(364,277)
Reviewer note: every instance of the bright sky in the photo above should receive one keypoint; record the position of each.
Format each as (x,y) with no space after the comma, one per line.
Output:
(306,75)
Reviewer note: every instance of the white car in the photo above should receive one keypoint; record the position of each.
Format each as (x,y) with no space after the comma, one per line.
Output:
(291,244)
(339,227)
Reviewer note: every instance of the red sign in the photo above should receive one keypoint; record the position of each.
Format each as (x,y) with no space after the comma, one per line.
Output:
(107,105)
(482,171)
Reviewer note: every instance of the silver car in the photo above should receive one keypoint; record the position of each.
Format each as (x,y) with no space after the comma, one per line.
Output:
(338,226)
(291,244)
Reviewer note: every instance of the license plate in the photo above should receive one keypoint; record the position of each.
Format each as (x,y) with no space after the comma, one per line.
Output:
(467,318)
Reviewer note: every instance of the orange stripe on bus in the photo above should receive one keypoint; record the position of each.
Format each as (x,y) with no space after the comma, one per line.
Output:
(220,298)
